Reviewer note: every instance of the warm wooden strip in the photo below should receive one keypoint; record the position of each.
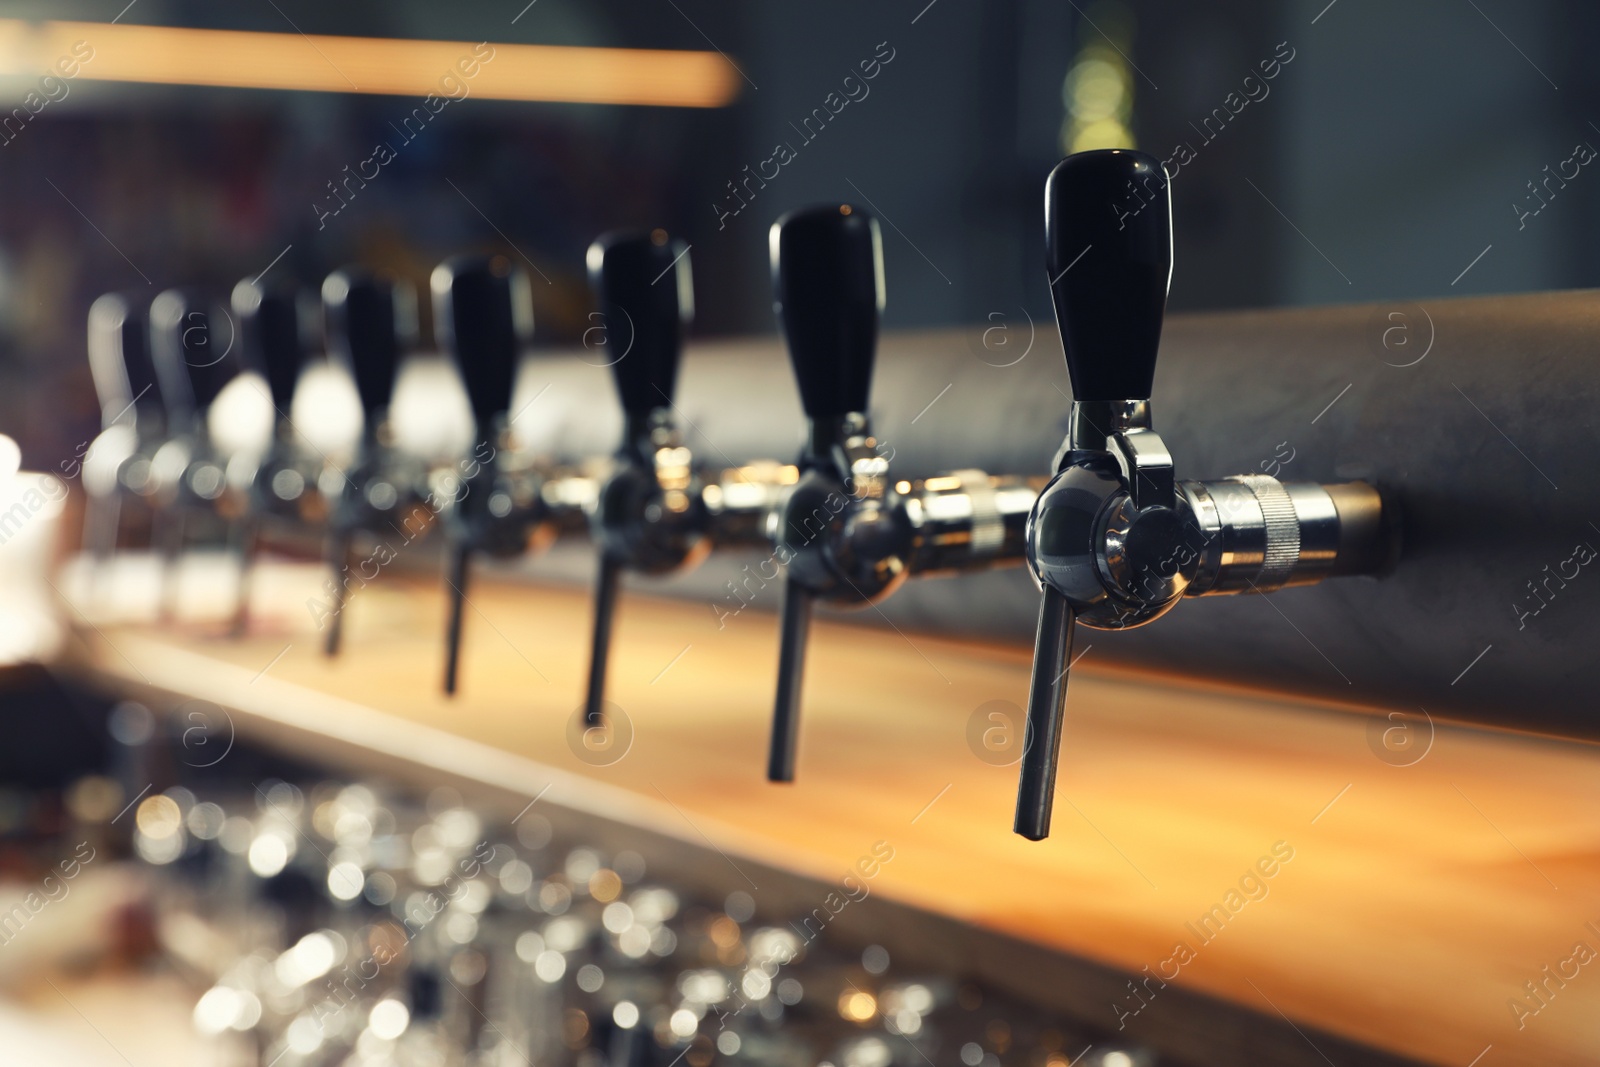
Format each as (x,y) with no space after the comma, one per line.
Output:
(171,55)
(1418,901)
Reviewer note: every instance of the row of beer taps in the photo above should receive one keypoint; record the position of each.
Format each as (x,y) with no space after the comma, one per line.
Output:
(1109,534)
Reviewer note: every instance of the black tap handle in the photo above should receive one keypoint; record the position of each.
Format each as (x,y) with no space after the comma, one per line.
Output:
(119,359)
(642,284)
(192,363)
(272,337)
(827,281)
(1047,697)
(371,323)
(1108,253)
(483,313)
(645,294)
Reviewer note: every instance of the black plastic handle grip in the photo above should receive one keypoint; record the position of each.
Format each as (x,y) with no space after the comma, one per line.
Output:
(483,313)
(371,323)
(119,358)
(645,293)
(272,337)
(1108,251)
(192,363)
(827,281)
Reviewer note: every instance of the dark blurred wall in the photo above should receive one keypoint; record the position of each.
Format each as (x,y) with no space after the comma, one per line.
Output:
(1414,129)
(1377,162)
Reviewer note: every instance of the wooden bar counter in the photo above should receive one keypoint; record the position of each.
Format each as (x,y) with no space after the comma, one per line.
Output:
(1401,902)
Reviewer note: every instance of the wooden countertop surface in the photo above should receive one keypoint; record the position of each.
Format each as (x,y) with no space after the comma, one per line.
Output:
(1418,901)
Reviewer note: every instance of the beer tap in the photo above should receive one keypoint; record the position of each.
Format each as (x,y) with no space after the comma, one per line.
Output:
(371,323)
(847,533)
(649,515)
(483,313)
(132,417)
(191,372)
(827,273)
(1115,540)
(272,341)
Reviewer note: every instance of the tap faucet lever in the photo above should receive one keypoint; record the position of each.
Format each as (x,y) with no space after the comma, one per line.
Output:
(840,532)
(371,322)
(119,360)
(1115,540)
(644,290)
(272,321)
(483,314)
(1109,267)
(648,515)
(192,367)
(133,421)
(828,291)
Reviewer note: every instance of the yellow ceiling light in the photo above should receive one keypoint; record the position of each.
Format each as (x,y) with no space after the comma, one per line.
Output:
(1101,133)
(1098,90)
(168,55)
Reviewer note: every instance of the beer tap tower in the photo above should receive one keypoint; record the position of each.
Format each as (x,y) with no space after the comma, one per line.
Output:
(133,422)
(649,515)
(283,488)
(848,534)
(483,313)
(191,371)
(828,288)
(371,322)
(1114,540)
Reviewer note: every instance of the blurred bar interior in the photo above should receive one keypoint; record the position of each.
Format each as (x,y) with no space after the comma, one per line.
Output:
(223,843)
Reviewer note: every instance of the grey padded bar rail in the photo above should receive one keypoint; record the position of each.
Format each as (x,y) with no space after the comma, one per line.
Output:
(1478,417)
